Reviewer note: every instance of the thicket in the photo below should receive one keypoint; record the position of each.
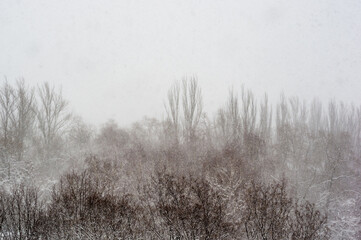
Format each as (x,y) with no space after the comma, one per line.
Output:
(170,207)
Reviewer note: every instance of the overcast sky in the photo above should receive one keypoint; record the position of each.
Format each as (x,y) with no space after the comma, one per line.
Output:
(116,58)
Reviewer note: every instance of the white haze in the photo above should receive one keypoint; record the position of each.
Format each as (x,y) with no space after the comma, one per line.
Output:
(117,59)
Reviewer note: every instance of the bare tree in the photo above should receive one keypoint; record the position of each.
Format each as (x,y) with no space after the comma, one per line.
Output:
(251,140)
(228,126)
(192,107)
(172,109)
(16,121)
(249,111)
(52,114)
(233,116)
(24,116)
(7,112)
(265,122)
(315,120)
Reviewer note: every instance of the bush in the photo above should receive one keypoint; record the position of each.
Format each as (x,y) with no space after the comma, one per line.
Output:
(81,209)
(185,208)
(270,214)
(21,213)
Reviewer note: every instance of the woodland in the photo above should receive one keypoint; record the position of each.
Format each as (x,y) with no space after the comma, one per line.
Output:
(252,170)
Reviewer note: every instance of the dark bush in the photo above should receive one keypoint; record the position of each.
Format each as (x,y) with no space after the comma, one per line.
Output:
(81,209)
(21,214)
(267,211)
(309,223)
(270,214)
(185,208)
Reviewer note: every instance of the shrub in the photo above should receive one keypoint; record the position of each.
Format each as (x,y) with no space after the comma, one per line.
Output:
(21,213)
(270,214)
(185,208)
(80,208)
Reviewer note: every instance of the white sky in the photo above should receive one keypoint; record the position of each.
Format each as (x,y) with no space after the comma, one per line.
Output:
(116,58)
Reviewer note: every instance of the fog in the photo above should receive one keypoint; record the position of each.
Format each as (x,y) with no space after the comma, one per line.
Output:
(180,120)
(116,59)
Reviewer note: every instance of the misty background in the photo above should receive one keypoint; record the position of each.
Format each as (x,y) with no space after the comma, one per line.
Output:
(116,59)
